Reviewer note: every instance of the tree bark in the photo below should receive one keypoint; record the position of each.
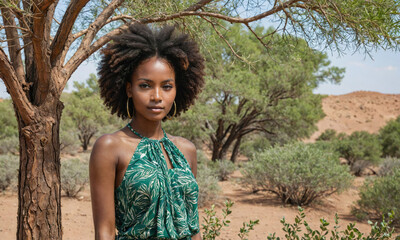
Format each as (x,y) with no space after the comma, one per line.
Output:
(235,150)
(39,192)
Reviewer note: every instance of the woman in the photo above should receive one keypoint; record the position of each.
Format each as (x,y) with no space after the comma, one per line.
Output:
(142,180)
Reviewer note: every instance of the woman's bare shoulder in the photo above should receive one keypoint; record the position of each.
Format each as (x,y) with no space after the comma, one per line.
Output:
(107,146)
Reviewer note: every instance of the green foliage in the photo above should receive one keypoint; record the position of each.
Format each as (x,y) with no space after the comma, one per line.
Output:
(9,142)
(260,95)
(390,138)
(247,227)
(213,225)
(187,126)
(9,165)
(9,145)
(297,173)
(84,114)
(383,231)
(379,196)
(74,176)
(388,166)
(254,143)
(8,122)
(69,142)
(327,135)
(222,168)
(360,145)
(209,189)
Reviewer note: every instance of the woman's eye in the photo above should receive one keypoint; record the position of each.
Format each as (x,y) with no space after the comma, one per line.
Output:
(167,86)
(144,85)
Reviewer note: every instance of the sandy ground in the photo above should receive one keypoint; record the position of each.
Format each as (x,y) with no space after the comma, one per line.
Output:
(356,111)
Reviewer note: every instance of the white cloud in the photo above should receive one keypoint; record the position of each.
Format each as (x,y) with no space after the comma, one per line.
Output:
(390,68)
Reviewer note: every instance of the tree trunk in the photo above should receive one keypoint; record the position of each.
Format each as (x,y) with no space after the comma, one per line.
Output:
(215,150)
(235,150)
(39,192)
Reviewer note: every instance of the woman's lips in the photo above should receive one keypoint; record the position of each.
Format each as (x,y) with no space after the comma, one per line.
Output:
(156,109)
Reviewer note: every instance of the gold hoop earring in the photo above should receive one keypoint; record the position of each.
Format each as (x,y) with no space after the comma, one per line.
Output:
(173,115)
(127,109)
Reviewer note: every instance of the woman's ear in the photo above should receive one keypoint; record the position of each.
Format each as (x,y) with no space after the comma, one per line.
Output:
(128,89)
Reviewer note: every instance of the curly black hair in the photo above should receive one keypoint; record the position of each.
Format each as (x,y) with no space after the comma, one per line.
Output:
(129,49)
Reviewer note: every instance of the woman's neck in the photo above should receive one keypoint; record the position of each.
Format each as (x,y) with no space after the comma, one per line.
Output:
(148,129)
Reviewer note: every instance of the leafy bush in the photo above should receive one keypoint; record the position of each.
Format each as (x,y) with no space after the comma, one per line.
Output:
(360,145)
(74,176)
(68,141)
(254,144)
(390,138)
(222,168)
(8,121)
(9,165)
(208,185)
(201,157)
(213,225)
(378,196)
(9,145)
(331,135)
(297,173)
(327,135)
(383,231)
(388,166)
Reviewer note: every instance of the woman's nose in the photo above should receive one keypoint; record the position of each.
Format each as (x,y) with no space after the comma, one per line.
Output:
(156,95)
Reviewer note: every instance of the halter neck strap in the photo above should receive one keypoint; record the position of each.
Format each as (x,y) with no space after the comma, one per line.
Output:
(139,135)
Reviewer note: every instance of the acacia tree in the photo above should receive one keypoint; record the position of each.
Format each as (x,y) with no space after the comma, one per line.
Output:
(44,42)
(272,95)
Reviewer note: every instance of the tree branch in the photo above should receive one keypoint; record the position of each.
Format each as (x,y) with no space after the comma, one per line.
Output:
(40,43)
(81,56)
(15,89)
(14,47)
(198,5)
(64,29)
(270,12)
(97,24)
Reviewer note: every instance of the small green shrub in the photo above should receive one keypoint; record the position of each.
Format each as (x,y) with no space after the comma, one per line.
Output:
(388,166)
(327,135)
(360,145)
(254,144)
(381,231)
(222,168)
(74,176)
(378,196)
(201,157)
(297,173)
(390,138)
(213,225)
(9,165)
(69,143)
(209,189)
(9,145)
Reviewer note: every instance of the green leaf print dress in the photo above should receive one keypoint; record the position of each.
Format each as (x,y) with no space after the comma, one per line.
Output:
(154,202)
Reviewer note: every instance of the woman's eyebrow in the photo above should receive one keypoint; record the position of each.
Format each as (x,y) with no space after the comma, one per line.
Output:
(149,80)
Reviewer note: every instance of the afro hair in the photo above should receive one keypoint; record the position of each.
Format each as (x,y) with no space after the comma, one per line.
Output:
(129,49)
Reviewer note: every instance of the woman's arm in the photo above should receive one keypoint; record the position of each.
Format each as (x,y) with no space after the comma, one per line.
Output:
(102,166)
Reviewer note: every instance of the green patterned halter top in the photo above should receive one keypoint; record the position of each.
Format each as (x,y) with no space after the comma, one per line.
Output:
(154,202)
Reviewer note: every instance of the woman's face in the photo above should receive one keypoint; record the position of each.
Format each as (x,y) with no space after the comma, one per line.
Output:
(152,89)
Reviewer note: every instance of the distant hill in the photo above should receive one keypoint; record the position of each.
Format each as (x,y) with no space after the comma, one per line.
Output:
(358,111)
